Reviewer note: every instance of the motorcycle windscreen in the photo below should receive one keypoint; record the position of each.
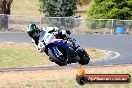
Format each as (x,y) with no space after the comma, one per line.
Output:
(42,34)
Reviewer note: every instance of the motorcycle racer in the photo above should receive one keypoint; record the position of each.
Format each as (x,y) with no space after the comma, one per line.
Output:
(34,32)
(58,45)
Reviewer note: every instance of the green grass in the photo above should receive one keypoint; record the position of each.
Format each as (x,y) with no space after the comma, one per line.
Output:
(12,58)
(15,55)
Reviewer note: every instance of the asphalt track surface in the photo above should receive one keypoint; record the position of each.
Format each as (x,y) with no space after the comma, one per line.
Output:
(120,44)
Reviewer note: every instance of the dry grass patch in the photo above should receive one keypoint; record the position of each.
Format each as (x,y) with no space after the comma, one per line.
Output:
(25,7)
(62,78)
(96,54)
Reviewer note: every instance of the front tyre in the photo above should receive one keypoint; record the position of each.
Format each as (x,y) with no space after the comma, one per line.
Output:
(84,57)
(56,59)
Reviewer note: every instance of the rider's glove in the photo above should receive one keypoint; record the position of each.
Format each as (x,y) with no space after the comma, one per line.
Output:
(68,32)
(63,32)
(33,41)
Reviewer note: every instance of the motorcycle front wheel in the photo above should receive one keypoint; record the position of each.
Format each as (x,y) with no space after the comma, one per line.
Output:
(56,59)
(84,57)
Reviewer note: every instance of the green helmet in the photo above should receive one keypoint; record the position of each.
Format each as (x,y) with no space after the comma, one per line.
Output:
(31,27)
(32,30)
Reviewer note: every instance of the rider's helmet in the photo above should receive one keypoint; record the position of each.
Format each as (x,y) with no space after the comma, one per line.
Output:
(32,30)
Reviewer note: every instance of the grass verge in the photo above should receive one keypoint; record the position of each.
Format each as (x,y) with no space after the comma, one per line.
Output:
(13,55)
(62,78)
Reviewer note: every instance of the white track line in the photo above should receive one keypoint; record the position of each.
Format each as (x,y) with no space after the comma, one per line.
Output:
(108,55)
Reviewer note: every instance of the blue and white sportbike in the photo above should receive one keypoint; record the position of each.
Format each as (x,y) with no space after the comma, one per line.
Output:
(63,51)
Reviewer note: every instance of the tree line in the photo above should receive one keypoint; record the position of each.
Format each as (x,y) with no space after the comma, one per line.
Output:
(104,9)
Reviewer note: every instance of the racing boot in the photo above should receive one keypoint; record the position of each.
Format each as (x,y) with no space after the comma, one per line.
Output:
(51,59)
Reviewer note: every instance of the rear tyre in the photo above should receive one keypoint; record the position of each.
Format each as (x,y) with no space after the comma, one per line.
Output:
(56,59)
(84,57)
